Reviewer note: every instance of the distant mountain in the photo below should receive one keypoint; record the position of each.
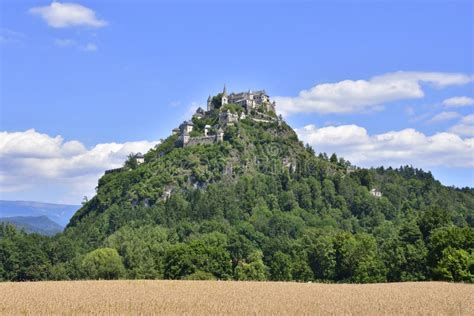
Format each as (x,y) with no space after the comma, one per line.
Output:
(59,213)
(34,224)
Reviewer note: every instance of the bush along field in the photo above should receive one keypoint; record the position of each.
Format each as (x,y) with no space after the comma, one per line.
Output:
(258,205)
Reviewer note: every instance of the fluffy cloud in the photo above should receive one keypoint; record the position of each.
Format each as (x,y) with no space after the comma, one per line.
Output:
(465,126)
(393,148)
(444,116)
(458,101)
(32,159)
(352,96)
(60,15)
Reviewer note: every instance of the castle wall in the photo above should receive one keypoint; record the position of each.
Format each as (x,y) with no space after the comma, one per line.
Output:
(200,140)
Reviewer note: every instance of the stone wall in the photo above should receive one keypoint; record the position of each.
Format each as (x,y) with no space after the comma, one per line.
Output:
(200,140)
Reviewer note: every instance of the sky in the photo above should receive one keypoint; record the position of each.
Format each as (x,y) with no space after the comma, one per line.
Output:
(84,83)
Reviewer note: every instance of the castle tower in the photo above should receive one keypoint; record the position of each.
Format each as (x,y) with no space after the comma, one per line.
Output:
(186,126)
(185,137)
(224,99)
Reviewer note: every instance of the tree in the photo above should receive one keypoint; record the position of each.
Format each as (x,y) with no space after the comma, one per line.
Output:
(301,271)
(280,267)
(178,262)
(358,260)
(432,218)
(131,161)
(103,263)
(209,254)
(253,269)
(322,258)
(448,237)
(455,265)
(142,250)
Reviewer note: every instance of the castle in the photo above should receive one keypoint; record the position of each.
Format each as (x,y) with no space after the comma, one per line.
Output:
(255,105)
(248,100)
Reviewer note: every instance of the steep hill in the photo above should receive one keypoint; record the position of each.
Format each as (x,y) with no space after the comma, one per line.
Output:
(258,204)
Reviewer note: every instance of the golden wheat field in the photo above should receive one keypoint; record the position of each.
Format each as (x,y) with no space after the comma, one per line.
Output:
(215,297)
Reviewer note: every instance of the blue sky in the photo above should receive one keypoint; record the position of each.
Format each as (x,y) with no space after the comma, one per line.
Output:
(379,82)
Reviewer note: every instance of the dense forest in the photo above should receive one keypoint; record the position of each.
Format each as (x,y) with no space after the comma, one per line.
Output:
(258,206)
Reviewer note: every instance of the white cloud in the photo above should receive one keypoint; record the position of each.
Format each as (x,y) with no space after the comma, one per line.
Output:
(355,96)
(444,116)
(465,126)
(59,15)
(458,101)
(31,159)
(393,148)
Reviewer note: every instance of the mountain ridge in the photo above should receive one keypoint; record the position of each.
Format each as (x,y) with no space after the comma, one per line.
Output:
(34,224)
(59,213)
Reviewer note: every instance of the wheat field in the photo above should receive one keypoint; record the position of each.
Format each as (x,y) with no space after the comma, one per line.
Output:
(238,298)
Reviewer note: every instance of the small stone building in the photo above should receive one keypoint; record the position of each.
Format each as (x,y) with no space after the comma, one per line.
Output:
(376,193)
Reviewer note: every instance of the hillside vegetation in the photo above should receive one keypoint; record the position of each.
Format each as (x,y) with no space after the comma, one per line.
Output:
(258,206)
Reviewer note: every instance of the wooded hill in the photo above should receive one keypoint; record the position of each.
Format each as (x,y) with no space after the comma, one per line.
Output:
(258,206)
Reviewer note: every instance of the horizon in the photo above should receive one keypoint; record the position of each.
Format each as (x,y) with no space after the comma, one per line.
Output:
(85,83)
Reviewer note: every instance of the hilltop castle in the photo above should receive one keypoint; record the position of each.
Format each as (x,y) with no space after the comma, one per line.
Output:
(248,100)
(254,105)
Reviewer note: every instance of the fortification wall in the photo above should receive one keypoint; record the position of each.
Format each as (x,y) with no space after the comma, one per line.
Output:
(201,140)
